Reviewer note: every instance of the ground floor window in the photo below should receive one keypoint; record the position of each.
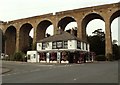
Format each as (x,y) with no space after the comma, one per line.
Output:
(28,57)
(67,56)
(53,56)
(64,56)
(42,56)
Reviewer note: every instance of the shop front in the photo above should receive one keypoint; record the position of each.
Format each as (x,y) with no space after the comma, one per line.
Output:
(65,57)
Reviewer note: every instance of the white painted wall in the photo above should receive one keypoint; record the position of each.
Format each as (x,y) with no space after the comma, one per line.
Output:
(39,46)
(33,56)
(81,45)
(85,46)
(88,47)
(72,44)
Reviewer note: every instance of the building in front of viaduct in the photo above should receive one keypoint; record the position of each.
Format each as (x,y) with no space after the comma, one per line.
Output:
(16,32)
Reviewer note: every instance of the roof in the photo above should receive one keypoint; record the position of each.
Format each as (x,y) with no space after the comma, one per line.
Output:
(63,36)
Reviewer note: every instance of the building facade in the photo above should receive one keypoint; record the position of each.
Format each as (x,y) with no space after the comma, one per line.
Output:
(61,48)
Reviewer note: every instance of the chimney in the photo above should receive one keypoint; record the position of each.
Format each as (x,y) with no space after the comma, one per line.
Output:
(59,30)
(72,31)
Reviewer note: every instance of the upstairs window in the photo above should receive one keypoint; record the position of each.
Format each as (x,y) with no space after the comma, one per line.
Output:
(59,44)
(78,44)
(54,45)
(43,46)
(86,46)
(65,44)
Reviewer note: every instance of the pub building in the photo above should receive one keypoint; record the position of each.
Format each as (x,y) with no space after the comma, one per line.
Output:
(61,48)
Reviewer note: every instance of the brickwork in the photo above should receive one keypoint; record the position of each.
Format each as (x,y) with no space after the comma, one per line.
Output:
(82,16)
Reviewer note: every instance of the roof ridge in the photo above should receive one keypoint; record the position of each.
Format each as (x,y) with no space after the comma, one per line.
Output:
(60,37)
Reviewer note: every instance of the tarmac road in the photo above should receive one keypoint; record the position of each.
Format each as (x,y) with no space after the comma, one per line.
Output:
(98,72)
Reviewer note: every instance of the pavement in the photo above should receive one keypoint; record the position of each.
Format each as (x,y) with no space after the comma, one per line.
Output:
(4,70)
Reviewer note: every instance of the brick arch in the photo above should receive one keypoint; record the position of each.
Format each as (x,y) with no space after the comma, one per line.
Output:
(114,15)
(1,41)
(10,40)
(81,16)
(41,29)
(24,38)
(62,23)
(86,20)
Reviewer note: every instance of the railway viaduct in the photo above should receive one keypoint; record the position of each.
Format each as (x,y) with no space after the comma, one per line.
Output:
(16,32)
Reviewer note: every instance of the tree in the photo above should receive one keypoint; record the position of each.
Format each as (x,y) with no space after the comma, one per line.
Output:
(48,35)
(115,47)
(119,51)
(114,41)
(99,32)
(97,42)
(72,31)
(116,52)
(29,45)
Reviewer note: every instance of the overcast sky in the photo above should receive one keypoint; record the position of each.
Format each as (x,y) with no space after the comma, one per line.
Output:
(16,9)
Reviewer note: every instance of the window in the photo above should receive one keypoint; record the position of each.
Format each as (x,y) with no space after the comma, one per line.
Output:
(43,46)
(28,57)
(42,56)
(54,45)
(65,44)
(83,45)
(86,46)
(59,44)
(78,44)
(34,55)
(39,45)
(53,56)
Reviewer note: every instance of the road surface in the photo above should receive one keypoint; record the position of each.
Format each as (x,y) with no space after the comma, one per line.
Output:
(98,72)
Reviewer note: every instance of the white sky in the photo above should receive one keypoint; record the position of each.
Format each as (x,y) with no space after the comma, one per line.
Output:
(16,9)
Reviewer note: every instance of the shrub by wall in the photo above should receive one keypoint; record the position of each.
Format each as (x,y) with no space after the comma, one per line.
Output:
(100,58)
(18,56)
(110,57)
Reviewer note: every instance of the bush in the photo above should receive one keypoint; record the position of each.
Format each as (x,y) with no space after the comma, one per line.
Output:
(110,57)
(100,58)
(18,56)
